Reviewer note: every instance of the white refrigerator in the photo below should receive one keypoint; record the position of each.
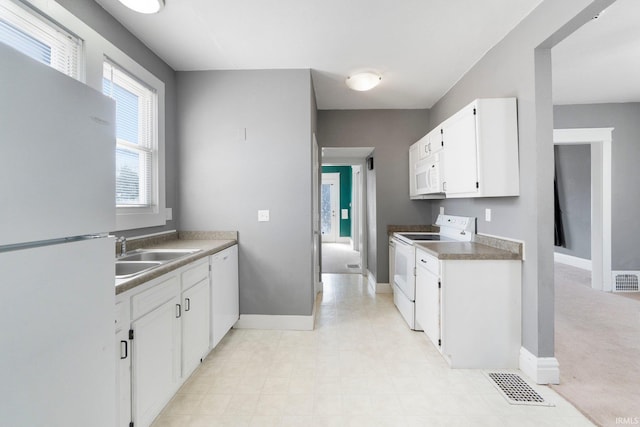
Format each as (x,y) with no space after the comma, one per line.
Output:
(57,205)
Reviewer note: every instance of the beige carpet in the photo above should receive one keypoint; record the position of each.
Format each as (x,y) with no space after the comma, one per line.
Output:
(340,258)
(598,348)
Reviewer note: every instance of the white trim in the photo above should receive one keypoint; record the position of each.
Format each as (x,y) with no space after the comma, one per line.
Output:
(318,287)
(573,261)
(384,288)
(378,288)
(600,141)
(542,370)
(277,322)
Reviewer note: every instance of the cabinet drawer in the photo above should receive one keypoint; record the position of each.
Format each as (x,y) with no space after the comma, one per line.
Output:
(155,296)
(195,274)
(428,261)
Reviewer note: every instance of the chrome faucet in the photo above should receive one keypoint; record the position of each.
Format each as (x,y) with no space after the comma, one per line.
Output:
(123,245)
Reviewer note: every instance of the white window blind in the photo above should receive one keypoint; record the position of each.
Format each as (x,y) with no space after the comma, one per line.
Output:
(38,37)
(136,146)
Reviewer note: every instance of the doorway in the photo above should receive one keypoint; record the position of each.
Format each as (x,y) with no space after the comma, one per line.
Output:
(347,253)
(599,140)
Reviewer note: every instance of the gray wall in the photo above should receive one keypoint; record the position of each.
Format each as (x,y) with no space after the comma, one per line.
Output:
(224,179)
(573,171)
(625,173)
(390,132)
(97,18)
(520,66)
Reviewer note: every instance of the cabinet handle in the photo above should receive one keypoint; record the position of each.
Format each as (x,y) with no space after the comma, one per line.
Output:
(187,304)
(126,349)
(421,260)
(178,311)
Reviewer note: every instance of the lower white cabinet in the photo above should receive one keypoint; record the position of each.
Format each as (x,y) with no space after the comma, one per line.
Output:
(123,364)
(225,303)
(428,295)
(195,326)
(154,359)
(471,310)
(164,329)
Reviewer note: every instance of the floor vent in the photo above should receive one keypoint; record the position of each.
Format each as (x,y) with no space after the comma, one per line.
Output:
(626,281)
(516,390)
(353,265)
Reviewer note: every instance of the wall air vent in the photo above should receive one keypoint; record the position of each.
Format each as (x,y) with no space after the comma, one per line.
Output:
(626,281)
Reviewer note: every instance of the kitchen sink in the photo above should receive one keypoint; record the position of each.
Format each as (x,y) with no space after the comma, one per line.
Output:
(142,260)
(156,254)
(126,269)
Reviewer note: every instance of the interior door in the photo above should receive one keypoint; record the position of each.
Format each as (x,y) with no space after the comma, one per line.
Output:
(329,206)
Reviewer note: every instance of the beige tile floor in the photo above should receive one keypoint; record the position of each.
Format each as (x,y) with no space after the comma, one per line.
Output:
(361,366)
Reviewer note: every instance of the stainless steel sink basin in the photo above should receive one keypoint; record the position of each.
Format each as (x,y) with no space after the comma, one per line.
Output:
(156,254)
(142,260)
(126,269)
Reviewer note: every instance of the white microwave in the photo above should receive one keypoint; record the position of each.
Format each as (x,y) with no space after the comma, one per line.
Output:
(428,175)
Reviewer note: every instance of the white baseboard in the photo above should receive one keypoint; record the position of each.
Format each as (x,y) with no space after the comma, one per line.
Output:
(573,261)
(384,288)
(378,288)
(371,280)
(542,370)
(278,322)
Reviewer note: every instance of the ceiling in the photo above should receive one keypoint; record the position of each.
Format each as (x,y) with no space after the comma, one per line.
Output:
(600,62)
(421,48)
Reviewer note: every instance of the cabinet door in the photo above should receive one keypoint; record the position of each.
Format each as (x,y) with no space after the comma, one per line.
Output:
(428,303)
(225,302)
(413,159)
(460,166)
(123,379)
(195,326)
(155,360)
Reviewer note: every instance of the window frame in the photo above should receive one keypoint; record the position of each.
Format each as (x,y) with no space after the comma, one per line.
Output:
(94,50)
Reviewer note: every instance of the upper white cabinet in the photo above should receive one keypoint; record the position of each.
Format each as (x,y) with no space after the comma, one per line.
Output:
(475,151)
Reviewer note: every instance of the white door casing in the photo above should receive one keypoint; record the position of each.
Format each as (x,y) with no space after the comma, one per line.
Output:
(600,141)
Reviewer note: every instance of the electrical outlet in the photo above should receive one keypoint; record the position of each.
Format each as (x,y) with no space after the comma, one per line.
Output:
(487,215)
(263,215)
(168,214)
(441,210)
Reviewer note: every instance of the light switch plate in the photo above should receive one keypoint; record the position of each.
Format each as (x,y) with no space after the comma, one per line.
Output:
(263,215)
(168,214)
(441,210)
(344,213)
(487,215)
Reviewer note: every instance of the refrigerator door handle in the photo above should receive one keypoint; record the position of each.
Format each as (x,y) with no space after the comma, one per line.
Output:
(126,349)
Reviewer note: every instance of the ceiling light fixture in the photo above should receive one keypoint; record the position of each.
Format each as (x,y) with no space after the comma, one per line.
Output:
(363,81)
(144,6)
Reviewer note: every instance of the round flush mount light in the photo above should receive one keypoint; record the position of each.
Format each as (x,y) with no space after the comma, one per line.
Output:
(144,6)
(363,81)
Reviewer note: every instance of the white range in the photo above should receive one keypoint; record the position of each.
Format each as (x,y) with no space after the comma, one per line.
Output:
(452,229)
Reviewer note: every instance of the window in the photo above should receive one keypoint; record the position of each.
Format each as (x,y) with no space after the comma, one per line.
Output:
(136,141)
(49,33)
(38,37)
